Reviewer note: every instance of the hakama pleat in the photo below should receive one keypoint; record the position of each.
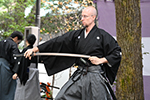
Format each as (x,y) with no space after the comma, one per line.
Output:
(31,90)
(84,86)
(7,84)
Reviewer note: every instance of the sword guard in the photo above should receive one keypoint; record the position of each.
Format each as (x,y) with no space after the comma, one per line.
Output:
(85,62)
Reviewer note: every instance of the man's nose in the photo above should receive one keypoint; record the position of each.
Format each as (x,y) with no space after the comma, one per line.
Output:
(82,18)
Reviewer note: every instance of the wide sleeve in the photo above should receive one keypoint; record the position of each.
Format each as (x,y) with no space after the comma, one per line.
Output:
(14,60)
(61,44)
(112,52)
(14,50)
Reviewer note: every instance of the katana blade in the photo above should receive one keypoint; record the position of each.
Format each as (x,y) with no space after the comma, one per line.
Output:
(55,54)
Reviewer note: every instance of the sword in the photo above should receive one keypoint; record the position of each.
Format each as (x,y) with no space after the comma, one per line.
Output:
(55,54)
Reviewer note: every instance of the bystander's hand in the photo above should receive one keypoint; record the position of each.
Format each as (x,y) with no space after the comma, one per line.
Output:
(15,76)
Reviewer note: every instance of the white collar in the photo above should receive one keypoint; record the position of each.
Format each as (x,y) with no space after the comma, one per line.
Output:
(85,35)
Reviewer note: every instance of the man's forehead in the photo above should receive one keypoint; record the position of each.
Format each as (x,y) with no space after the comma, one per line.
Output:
(89,10)
(86,11)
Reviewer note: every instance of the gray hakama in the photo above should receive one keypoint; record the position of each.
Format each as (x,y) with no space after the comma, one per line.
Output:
(7,84)
(85,84)
(31,90)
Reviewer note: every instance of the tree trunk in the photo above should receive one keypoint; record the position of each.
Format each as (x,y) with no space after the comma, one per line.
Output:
(128,25)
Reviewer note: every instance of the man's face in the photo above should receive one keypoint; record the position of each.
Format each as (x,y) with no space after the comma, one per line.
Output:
(16,40)
(86,18)
(19,41)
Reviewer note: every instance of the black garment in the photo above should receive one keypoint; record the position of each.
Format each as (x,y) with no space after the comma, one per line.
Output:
(98,43)
(8,48)
(33,59)
(23,64)
(7,85)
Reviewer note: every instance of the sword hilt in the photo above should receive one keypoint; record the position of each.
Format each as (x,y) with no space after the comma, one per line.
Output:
(85,62)
(20,55)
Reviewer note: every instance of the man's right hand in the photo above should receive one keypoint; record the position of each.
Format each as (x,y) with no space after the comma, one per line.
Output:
(29,53)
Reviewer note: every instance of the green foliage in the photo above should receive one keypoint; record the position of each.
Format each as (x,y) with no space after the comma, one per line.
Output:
(63,15)
(12,16)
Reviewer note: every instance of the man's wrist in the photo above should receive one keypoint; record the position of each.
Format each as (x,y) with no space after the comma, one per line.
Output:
(35,49)
(103,60)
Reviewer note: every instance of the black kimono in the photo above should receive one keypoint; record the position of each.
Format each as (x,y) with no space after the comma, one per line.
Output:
(28,87)
(7,85)
(98,43)
(24,63)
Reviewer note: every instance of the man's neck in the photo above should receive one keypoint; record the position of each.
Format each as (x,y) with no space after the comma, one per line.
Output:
(89,28)
(27,44)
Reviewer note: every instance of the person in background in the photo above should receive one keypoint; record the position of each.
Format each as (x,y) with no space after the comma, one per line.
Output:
(28,86)
(8,47)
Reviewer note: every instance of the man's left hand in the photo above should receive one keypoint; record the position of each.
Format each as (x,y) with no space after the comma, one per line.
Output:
(96,61)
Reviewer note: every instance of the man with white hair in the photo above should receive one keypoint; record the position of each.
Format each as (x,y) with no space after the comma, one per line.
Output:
(87,82)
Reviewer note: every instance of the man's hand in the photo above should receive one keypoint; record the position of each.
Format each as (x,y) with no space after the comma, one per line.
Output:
(15,76)
(96,61)
(28,53)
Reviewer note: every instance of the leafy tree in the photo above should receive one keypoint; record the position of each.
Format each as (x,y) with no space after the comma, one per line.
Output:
(63,16)
(12,16)
(128,24)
